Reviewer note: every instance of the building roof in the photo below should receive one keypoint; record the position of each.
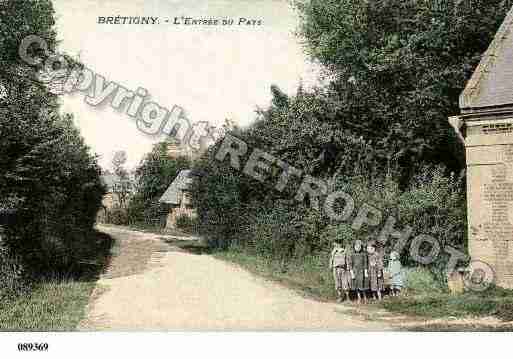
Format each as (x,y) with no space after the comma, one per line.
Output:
(491,84)
(182,182)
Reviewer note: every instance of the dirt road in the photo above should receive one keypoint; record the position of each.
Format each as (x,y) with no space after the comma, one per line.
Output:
(151,285)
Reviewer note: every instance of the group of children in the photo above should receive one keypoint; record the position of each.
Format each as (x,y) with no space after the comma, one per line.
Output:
(360,270)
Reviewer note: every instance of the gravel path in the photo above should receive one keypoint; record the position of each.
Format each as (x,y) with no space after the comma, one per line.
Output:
(151,285)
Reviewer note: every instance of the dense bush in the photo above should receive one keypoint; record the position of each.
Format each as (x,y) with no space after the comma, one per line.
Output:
(60,190)
(283,231)
(236,210)
(432,203)
(217,198)
(155,212)
(505,310)
(187,223)
(12,276)
(117,216)
(397,69)
(44,163)
(376,128)
(154,175)
(421,281)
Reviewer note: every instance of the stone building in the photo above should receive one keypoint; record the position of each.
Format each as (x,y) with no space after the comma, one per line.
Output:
(486,128)
(114,187)
(177,197)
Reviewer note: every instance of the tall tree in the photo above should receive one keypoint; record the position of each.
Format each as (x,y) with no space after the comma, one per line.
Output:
(393,71)
(122,186)
(45,165)
(397,68)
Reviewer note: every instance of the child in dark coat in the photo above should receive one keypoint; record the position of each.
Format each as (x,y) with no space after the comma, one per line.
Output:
(376,280)
(358,268)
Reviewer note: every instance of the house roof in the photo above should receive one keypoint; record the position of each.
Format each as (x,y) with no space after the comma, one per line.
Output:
(491,84)
(182,182)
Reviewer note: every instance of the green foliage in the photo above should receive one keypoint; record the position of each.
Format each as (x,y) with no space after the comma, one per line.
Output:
(398,68)
(117,216)
(57,301)
(12,280)
(435,204)
(237,210)
(44,162)
(436,304)
(217,197)
(157,170)
(122,188)
(421,281)
(376,128)
(154,175)
(309,275)
(155,213)
(427,298)
(337,233)
(19,20)
(282,231)
(505,310)
(186,223)
(51,306)
(432,203)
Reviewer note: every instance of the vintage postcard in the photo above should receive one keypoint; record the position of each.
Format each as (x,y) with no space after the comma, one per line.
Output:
(255,166)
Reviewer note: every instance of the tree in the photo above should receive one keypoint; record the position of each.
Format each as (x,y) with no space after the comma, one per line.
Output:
(393,70)
(154,174)
(122,187)
(45,167)
(398,67)
(118,162)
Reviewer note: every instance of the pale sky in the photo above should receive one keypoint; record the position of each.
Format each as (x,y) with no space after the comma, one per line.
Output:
(212,72)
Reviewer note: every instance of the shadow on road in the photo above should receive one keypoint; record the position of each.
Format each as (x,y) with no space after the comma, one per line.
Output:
(195,246)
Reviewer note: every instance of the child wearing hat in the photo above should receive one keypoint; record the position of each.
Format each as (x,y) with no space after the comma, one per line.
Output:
(359,270)
(338,264)
(376,280)
(396,274)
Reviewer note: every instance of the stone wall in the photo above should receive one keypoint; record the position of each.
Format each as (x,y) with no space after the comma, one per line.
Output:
(489,149)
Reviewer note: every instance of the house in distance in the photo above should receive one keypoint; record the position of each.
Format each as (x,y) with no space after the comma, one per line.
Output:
(177,197)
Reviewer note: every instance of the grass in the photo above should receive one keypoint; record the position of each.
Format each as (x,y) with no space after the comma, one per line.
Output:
(310,276)
(56,303)
(424,297)
(493,302)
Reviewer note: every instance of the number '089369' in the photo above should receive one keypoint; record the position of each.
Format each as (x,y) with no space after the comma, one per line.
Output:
(32,347)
